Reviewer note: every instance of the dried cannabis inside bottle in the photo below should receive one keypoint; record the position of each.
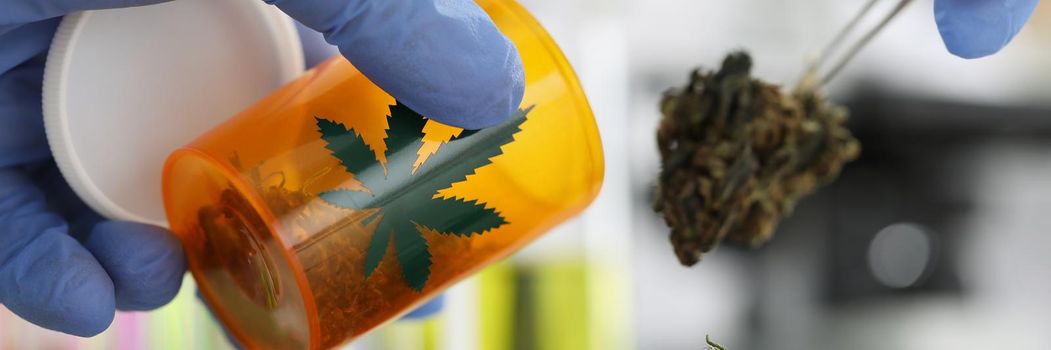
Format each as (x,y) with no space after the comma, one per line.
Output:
(737,153)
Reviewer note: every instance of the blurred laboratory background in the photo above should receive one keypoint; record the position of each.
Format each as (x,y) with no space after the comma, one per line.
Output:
(936,238)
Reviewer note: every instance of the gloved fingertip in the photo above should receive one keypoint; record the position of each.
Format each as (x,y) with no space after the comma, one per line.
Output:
(445,59)
(145,262)
(57,284)
(486,95)
(968,43)
(91,317)
(975,29)
(429,309)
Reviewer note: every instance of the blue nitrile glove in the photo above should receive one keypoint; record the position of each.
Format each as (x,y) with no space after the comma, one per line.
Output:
(426,310)
(445,59)
(978,28)
(65,268)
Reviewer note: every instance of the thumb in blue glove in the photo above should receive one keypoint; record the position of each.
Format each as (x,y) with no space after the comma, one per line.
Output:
(978,28)
(443,58)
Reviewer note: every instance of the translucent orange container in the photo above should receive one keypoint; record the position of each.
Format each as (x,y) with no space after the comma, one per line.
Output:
(328,208)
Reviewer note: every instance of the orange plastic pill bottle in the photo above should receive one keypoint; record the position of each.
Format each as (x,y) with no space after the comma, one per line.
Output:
(328,208)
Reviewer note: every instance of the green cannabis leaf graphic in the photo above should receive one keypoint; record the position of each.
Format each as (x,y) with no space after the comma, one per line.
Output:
(405,198)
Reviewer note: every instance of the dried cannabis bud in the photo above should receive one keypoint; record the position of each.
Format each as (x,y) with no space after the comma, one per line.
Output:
(737,153)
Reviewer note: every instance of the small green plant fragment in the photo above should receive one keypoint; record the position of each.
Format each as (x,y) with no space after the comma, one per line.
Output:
(712,345)
(407,197)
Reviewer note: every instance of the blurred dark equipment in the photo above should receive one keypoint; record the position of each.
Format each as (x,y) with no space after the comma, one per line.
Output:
(895,212)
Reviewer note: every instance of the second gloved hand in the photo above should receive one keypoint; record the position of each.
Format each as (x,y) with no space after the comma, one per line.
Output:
(978,28)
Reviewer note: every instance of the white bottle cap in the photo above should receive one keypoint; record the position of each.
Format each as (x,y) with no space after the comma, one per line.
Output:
(124,88)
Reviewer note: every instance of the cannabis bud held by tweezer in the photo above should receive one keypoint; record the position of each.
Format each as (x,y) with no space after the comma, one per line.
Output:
(738,153)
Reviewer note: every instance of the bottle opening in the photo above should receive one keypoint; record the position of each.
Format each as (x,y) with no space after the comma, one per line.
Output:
(233,233)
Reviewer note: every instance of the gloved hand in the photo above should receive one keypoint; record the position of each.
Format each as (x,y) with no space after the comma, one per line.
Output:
(445,59)
(65,268)
(978,28)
